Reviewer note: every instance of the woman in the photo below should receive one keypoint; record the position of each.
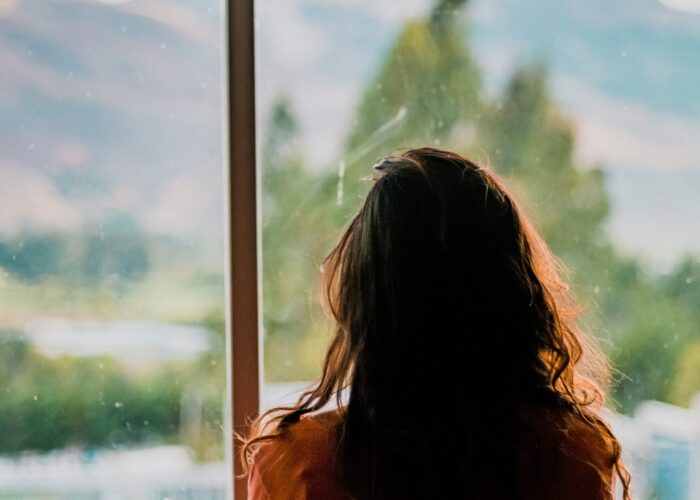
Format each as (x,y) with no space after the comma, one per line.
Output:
(457,349)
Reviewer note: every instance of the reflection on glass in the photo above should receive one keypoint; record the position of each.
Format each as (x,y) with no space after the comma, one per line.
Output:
(112,369)
(592,119)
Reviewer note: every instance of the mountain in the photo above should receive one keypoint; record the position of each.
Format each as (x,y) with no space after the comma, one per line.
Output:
(118,106)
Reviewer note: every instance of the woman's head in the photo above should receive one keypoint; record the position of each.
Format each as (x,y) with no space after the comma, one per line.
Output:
(449,315)
(440,277)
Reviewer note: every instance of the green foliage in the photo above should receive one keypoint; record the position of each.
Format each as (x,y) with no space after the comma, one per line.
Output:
(48,404)
(32,257)
(682,287)
(115,250)
(293,240)
(205,391)
(683,284)
(686,382)
(530,143)
(650,328)
(426,91)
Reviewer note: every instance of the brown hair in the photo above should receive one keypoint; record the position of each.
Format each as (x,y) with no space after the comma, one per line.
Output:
(450,315)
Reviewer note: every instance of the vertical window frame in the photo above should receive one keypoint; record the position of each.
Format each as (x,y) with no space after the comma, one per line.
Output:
(244,264)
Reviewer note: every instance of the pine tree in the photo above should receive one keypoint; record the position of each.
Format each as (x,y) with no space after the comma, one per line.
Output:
(531,143)
(427,85)
(294,231)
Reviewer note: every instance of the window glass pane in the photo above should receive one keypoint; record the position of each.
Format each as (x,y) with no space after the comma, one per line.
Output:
(111,250)
(591,111)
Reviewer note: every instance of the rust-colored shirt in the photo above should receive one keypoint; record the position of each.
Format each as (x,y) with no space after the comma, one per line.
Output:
(560,457)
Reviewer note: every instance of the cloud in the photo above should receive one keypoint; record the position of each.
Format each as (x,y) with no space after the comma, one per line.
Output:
(185,207)
(620,132)
(112,2)
(183,18)
(688,6)
(655,214)
(188,206)
(290,39)
(293,61)
(388,12)
(7,7)
(652,161)
(30,200)
(328,111)
(324,107)
(72,155)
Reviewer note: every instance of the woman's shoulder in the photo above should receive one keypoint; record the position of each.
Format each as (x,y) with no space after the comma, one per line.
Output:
(300,463)
(569,430)
(566,451)
(317,431)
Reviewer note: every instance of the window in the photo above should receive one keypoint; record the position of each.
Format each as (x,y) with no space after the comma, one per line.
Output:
(112,288)
(113,256)
(589,110)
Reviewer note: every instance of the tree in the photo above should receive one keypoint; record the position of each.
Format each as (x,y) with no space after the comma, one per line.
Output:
(427,88)
(531,143)
(686,382)
(116,250)
(33,257)
(51,403)
(294,237)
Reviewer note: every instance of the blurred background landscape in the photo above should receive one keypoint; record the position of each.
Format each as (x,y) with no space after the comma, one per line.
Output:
(112,181)
(111,250)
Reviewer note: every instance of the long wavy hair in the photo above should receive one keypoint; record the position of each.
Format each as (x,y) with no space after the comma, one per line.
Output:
(450,316)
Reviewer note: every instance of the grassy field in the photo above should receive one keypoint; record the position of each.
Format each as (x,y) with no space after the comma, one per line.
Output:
(175,296)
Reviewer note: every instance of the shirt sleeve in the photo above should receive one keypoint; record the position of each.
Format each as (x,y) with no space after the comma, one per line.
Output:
(256,486)
(575,465)
(586,480)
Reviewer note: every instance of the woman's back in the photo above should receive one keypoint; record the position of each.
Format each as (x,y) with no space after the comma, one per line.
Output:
(558,455)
